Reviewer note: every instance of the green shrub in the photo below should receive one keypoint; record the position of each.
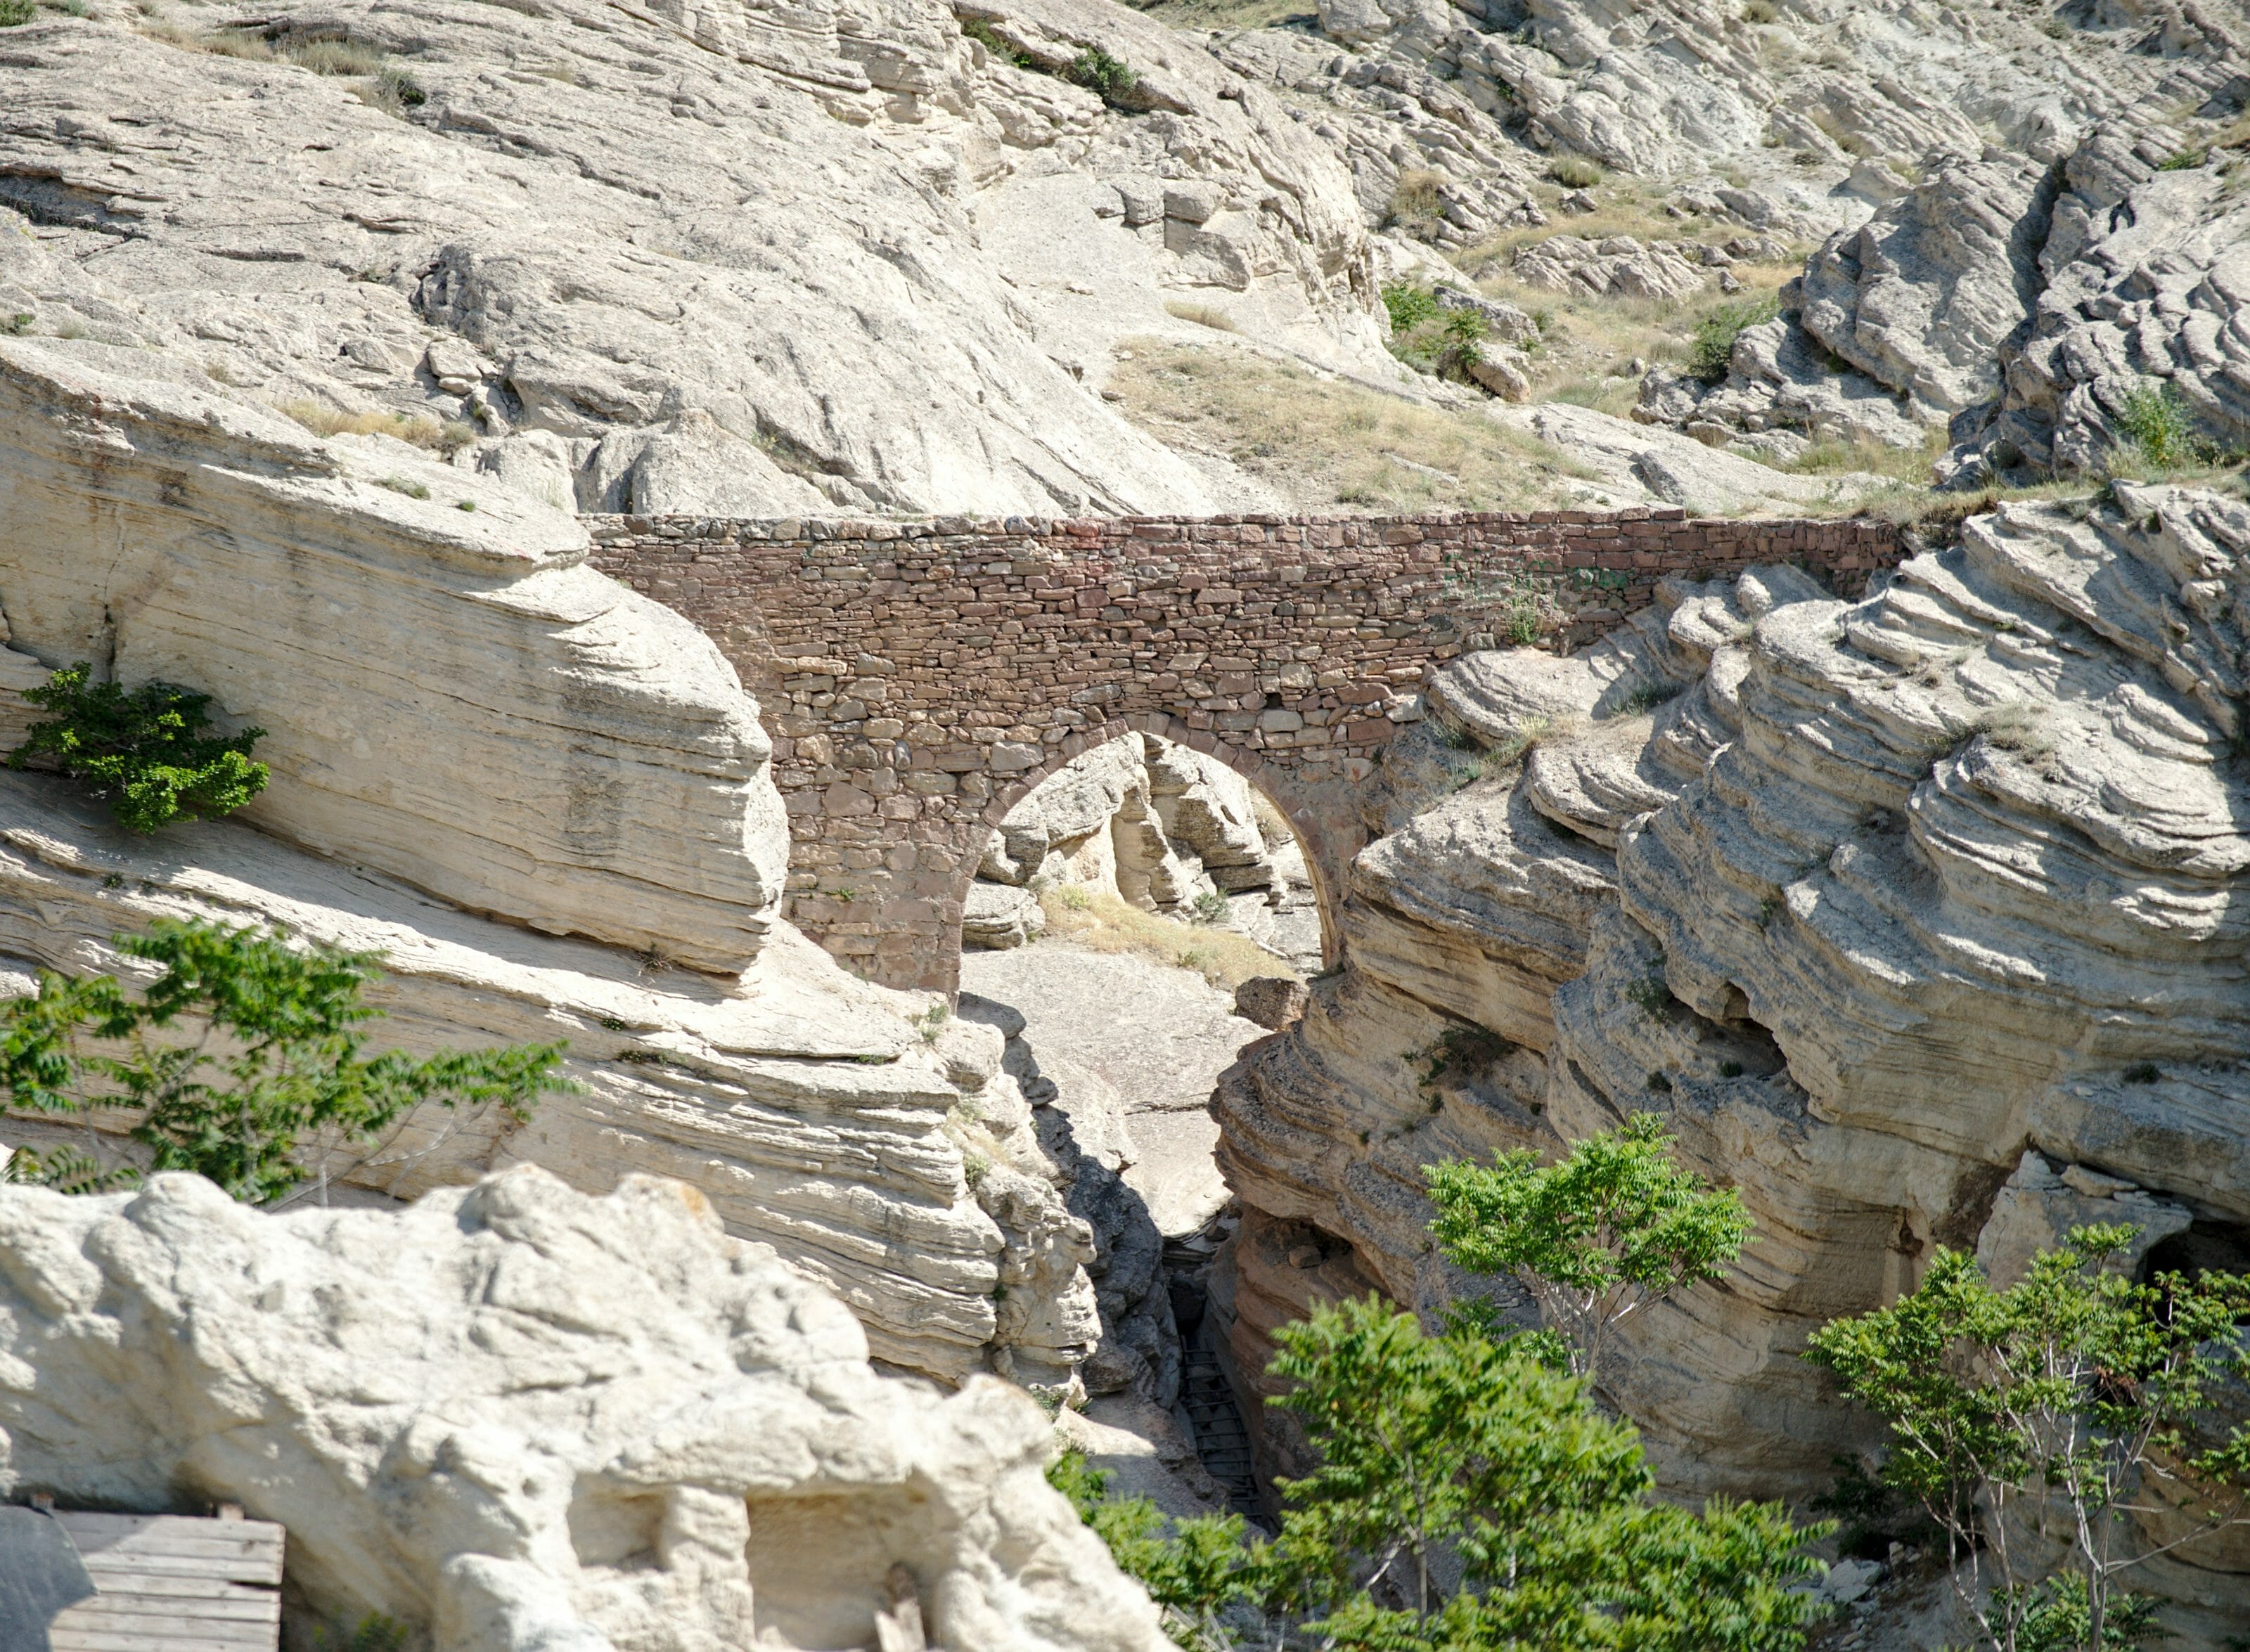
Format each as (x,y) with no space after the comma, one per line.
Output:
(1415,201)
(1575,172)
(1100,74)
(2158,424)
(288,1066)
(1409,306)
(2183,159)
(985,35)
(15,13)
(1715,333)
(145,749)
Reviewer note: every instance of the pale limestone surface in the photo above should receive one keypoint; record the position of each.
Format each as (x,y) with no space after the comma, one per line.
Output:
(523,1418)
(1913,917)
(395,648)
(708,257)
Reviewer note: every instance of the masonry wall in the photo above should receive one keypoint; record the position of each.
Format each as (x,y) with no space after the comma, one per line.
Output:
(920,678)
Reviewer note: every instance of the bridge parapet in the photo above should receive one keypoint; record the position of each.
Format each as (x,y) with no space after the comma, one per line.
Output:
(920,678)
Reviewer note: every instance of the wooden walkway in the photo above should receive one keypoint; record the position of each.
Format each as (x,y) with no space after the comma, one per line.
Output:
(169,1583)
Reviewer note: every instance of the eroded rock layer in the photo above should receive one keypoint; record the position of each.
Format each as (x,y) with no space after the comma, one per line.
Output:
(1914,917)
(523,1418)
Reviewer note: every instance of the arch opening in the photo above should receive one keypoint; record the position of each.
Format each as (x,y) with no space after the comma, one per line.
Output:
(1168,821)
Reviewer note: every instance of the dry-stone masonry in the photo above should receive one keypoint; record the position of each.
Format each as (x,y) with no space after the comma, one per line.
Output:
(918,678)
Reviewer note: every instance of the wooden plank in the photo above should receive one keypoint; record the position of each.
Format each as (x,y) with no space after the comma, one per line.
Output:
(179,1587)
(238,1550)
(170,1608)
(64,1637)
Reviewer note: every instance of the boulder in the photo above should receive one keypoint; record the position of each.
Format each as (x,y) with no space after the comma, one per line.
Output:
(1275,1002)
(513,1416)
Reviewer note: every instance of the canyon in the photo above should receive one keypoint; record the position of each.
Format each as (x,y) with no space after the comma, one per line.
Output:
(1410,580)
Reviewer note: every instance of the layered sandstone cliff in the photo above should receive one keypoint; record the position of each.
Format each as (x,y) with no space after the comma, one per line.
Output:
(544,800)
(1913,917)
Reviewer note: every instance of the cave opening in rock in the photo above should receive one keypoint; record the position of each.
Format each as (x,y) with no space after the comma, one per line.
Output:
(1138,917)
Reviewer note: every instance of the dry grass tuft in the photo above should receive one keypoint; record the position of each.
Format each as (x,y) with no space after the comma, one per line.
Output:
(1201,314)
(1099,921)
(1324,443)
(419,430)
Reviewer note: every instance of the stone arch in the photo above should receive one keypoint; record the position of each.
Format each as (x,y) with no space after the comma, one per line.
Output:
(1272,779)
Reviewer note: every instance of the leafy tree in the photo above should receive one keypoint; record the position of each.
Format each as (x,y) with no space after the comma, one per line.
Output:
(241,1048)
(1595,1237)
(1194,1574)
(1468,1499)
(144,748)
(2065,1405)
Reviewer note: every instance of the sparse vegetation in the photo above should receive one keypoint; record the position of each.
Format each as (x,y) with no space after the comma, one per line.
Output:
(1575,172)
(2157,422)
(144,749)
(1717,333)
(1101,74)
(418,429)
(243,1046)
(1415,201)
(1323,442)
(2185,159)
(16,13)
(1201,314)
(1099,921)
(400,485)
(1760,12)
(2077,1393)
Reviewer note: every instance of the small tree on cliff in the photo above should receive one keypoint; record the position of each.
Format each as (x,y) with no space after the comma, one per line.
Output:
(1595,1237)
(2059,1408)
(241,1048)
(144,749)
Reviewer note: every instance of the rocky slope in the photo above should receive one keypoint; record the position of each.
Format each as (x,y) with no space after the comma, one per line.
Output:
(1912,916)
(518,1417)
(545,800)
(722,259)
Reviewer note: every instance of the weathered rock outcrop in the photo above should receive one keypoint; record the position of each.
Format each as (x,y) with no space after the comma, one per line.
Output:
(521,1418)
(696,257)
(396,648)
(475,737)
(1912,916)
(2017,304)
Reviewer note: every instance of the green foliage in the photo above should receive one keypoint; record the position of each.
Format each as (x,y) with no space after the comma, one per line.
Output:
(1462,1051)
(1466,1499)
(985,35)
(1409,306)
(15,13)
(2155,420)
(1596,1237)
(2183,159)
(145,749)
(1431,338)
(1210,907)
(373,1633)
(2076,1390)
(20,322)
(1458,1445)
(242,1047)
(1101,74)
(1194,1572)
(1715,333)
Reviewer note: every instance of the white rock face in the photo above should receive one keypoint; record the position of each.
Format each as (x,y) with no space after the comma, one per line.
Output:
(450,695)
(525,1420)
(1913,917)
(709,258)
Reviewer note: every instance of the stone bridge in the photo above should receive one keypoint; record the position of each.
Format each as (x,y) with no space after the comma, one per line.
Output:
(918,678)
